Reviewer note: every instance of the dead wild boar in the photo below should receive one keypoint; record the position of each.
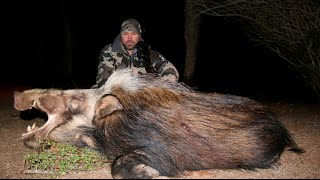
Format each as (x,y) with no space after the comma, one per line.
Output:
(155,127)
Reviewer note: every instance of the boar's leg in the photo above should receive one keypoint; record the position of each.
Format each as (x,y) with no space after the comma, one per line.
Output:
(132,166)
(129,166)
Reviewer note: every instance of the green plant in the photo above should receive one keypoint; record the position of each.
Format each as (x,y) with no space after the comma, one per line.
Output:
(59,159)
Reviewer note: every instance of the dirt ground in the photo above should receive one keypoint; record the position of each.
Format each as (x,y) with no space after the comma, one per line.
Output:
(302,120)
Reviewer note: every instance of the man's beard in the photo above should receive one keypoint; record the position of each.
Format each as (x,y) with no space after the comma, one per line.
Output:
(130,45)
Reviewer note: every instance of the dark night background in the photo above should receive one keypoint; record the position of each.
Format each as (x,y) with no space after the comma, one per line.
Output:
(33,36)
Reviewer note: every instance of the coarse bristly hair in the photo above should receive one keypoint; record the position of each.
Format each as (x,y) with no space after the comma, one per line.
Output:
(171,127)
(124,78)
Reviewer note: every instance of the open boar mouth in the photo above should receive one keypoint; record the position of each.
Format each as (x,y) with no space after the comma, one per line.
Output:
(65,110)
(47,101)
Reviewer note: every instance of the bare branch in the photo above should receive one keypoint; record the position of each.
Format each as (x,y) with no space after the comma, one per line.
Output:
(290,28)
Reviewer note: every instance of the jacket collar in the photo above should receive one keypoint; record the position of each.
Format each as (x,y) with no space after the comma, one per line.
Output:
(117,46)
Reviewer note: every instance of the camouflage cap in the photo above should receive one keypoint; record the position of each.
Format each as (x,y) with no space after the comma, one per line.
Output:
(131,25)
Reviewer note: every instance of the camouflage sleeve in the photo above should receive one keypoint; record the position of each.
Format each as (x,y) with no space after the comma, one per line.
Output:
(163,67)
(106,65)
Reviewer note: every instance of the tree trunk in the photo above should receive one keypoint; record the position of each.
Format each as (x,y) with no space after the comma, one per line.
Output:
(192,25)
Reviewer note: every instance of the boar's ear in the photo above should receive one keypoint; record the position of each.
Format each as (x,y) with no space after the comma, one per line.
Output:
(22,101)
(107,105)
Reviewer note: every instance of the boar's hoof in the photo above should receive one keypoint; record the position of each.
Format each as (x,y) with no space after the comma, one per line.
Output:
(140,171)
(143,171)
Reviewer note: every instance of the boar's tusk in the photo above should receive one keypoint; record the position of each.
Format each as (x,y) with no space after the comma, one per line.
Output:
(34,104)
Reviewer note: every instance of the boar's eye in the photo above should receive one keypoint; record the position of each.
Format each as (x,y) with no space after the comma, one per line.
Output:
(74,108)
(76,103)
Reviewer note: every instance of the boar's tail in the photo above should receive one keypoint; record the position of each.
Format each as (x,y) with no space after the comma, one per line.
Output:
(288,138)
(293,146)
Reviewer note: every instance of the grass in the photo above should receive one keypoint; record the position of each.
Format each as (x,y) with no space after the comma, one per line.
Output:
(60,159)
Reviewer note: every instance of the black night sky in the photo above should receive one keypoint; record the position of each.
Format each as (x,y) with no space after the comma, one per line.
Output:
(33,35)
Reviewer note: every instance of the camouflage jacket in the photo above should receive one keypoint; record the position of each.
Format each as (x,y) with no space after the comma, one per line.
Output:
(114,56)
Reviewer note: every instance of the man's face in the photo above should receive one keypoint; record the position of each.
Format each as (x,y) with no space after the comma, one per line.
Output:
(129,39)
